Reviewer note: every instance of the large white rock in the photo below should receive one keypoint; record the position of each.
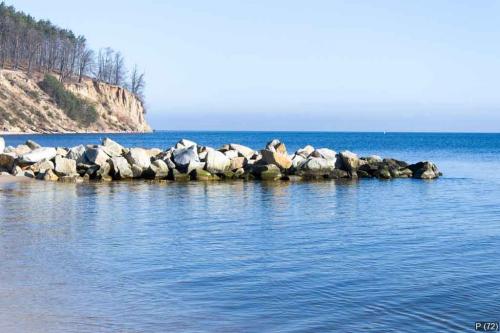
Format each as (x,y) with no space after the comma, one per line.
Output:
(64,166)
(325,153)
(305,152)
(120,168)
(316,165)
(242,150)
(77,153)
(217,162)
(138,157)
(185,143)
(297,160)
(282,160)
(96,155)
(39,154)
(184,156)
(231,154)
(112,148)
(2,145)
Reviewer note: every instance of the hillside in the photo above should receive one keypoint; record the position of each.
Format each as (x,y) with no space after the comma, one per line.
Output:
(25,107)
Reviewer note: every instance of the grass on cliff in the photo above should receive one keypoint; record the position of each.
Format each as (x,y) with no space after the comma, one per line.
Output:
(75,108)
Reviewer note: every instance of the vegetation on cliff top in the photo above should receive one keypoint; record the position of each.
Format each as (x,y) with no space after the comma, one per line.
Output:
(40,46)
(75,108)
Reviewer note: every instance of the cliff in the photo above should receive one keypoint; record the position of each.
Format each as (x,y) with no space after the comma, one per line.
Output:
(25,107)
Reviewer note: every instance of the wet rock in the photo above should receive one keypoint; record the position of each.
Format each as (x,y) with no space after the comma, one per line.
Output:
(179,176)
(424,170)
(39,154)
(48,175)
(203,175)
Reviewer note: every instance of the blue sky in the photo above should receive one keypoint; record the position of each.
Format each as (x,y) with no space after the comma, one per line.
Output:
(303,65)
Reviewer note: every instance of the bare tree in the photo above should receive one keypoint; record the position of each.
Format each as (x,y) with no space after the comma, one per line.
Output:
(137,82)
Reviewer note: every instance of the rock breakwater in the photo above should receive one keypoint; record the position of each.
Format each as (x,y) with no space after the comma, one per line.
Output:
(188,161)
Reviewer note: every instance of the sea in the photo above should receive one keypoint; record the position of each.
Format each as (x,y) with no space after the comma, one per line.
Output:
(370,255)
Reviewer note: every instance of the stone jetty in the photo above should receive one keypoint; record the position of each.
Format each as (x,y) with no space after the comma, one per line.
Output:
(190,161)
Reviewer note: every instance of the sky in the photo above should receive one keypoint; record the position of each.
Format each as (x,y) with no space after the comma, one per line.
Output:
(313,65)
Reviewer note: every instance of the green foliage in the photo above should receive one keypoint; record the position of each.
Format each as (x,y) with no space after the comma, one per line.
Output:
(75,108)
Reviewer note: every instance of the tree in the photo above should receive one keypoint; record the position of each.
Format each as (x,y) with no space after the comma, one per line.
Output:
(137,83)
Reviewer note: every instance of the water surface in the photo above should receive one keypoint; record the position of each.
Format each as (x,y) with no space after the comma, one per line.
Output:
(376,256)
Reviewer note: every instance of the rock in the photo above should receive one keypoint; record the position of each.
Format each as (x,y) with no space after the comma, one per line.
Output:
(217,162)
(32,144)
(184,156)
(231,154)
(179,176)
(71,179)
(42,166)
(137,171)
(242,150)
(20,150)
(184,143)
(269,172)
(276,146)
(314,167)
(154,152)
(64,166)
(96,155)
(170,163)
(26,173)
(49,175)
(238,163)
(2,145)
(138,157)
(157,170)
(383,172)
(61,151)
(112,148)
(120,169)
(297,160)
(203,175)
(424,170)
(78,154)
(7,161)
(39,154)
(325,153)
(305,152)
(102,172)
(239,173)
(277,157)
(350,162)
(373,159)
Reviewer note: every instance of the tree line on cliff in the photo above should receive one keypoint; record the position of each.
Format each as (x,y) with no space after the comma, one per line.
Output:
(40,46)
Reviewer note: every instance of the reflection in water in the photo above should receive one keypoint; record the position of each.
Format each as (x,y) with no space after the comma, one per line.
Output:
(248,256)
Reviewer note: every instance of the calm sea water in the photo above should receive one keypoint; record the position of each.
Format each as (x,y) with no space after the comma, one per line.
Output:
(368,256)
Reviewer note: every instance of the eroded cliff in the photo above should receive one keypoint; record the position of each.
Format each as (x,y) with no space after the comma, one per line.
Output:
(25,107)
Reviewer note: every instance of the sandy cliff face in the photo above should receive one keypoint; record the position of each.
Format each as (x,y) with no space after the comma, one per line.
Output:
(24,107)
